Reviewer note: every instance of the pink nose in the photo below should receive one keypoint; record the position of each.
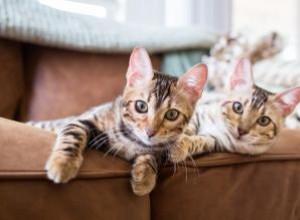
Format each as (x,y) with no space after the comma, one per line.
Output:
(150,133)
(242,131)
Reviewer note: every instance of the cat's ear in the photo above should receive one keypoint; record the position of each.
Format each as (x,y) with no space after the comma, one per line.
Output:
(193,81)
(242,78)
(140,68)
(288,100)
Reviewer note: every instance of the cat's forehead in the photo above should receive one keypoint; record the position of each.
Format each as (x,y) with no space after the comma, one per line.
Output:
(163,88)
(259,97)
(255,98)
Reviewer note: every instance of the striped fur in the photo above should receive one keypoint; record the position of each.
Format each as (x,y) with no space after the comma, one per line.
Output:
(217,126)
(269,71)
(122,129)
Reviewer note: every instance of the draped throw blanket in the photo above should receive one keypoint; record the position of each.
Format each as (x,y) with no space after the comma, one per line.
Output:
(32,22)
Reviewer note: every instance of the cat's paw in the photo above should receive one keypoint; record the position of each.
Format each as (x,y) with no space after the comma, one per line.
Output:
(143,176)
(179,152)
(61,168)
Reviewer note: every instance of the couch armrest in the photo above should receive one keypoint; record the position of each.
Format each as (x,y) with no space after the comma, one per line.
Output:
(101,191)
(216,186)
(287,147)
(229,186)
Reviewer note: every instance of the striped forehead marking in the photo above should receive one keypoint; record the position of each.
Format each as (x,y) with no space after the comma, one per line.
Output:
(259,97)
(162,88)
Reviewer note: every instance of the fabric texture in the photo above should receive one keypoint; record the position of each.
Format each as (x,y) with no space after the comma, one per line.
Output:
(33,22)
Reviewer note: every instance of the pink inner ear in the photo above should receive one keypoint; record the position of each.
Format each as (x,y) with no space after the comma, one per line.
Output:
(237,82)
(134,77)
(285,109)
(194,81)
(140,67)
(288,100)
(242,78)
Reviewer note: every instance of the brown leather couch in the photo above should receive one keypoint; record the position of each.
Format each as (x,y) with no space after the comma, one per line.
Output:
(44,83)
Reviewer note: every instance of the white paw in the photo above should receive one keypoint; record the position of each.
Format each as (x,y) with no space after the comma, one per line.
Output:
(61,168)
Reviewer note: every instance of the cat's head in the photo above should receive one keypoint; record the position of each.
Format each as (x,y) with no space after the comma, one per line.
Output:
(157,107)
(253,115)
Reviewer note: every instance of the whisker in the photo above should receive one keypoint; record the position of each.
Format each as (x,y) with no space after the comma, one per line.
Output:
(186,175)
(98,142)
(101,144)
(194,163)
(110,150)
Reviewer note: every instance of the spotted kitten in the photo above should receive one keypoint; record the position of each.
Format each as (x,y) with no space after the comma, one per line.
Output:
(139,126)
(247,120)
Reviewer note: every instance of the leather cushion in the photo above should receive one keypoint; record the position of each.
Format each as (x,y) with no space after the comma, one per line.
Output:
(11,78)
(61,83)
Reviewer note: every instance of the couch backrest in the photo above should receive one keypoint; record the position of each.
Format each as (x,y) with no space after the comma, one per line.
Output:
(49,83)
(11,78)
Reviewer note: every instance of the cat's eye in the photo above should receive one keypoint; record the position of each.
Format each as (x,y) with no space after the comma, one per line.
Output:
(238,108)
(141,106)
(264,121)
(172,114)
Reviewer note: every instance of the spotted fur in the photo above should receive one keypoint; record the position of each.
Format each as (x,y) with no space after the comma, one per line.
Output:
(234,46)
(134,127)
(220,126)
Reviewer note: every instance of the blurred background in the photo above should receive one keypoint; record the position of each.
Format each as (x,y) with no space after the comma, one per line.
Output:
(61,57)
(253,18)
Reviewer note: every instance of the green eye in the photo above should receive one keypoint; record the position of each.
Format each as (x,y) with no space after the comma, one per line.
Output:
(172,114)
(141,106)
(264,121)
(238,108)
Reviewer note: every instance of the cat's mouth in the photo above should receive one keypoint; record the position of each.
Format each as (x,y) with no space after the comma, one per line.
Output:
(237,136)
(156,143)
(145,142)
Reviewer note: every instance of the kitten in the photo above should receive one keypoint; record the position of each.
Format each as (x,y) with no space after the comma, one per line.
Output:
(152,112)
(232,46)
(247,120)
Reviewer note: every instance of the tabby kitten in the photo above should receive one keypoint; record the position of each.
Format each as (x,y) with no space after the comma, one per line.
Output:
(153,110)
(231,47)
(247,120)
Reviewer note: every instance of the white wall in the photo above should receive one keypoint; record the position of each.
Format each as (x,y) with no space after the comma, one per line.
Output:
(145,12)
(213,15)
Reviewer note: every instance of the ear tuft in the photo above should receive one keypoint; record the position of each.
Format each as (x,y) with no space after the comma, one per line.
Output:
(193,81)
(288,100)
(242,78)
(140,68)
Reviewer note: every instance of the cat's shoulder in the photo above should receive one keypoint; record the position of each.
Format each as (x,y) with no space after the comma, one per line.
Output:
(99,109)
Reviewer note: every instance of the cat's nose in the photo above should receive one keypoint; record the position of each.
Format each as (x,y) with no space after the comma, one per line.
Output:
(150,133)
(242,131)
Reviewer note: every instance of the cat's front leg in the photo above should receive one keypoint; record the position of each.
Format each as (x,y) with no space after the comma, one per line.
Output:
(188,145)
(66,156)
(144,174)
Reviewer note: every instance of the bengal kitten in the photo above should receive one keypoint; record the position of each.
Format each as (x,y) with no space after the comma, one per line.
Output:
(139,126)
(247,120)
